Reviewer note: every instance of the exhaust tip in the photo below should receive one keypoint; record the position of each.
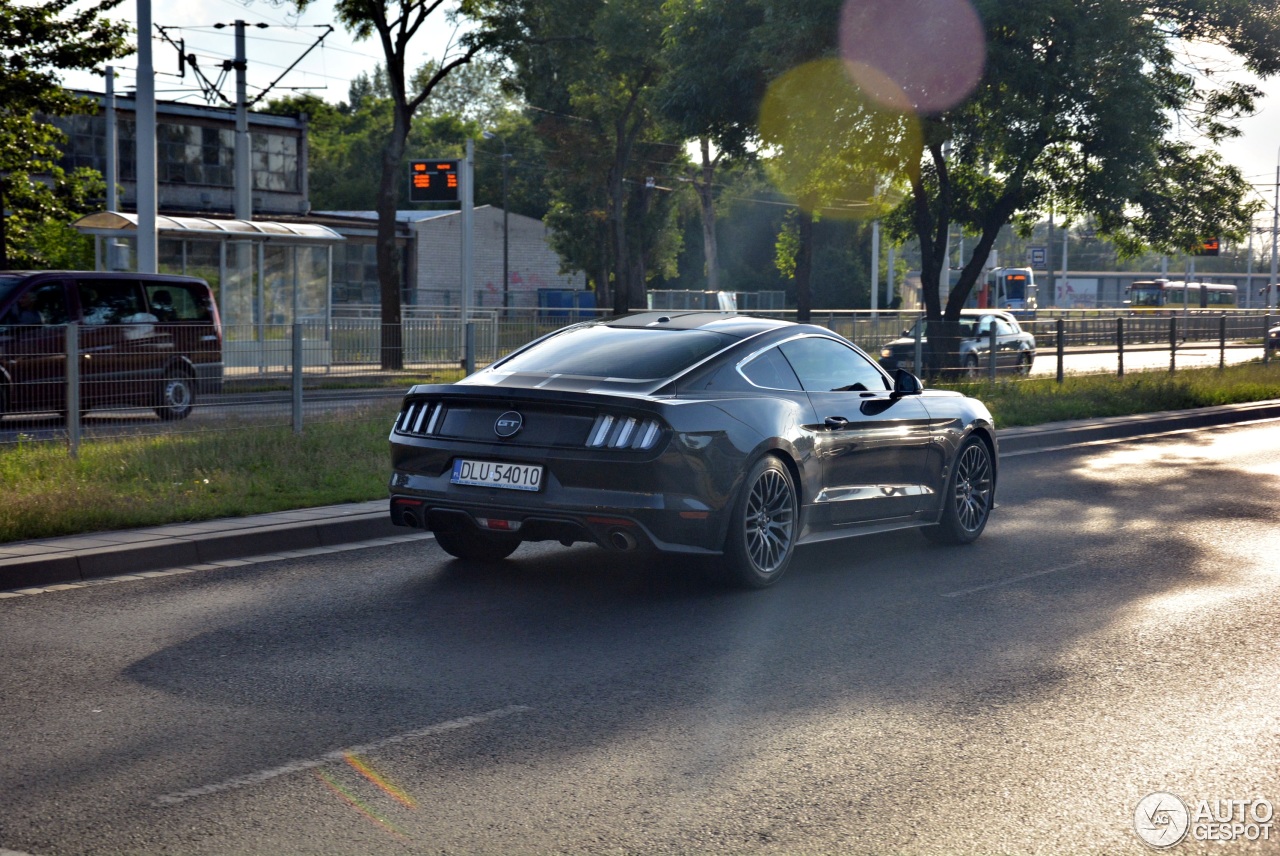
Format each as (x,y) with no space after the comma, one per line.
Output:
(621,540)
(408,518)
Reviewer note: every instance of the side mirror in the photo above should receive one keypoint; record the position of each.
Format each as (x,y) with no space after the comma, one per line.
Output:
(905,383)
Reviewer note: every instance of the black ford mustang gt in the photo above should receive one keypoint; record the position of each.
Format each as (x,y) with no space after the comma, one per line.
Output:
(695,433)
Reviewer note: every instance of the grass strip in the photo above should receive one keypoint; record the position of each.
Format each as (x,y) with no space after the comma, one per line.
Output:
(125,483)
(1036,401)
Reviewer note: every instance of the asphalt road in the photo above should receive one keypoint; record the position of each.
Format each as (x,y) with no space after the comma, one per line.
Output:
(1143,358)
(1112,634)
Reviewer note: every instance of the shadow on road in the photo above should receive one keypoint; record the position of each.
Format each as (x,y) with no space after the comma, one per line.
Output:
(356,647)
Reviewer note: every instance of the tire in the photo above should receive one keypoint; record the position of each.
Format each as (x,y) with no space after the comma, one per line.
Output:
(971,367)
(1024,364)
(476,546)
(177,396)
(763,526)
(968,498)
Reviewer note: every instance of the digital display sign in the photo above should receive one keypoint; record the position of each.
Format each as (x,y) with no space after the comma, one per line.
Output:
(433,181)
(1210,247)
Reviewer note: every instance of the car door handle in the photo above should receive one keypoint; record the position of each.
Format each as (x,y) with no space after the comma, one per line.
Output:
(835,423)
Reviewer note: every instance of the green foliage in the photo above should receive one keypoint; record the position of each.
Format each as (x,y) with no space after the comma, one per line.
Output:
(712,82)
(39,231)
(345,138)
(37,42)
(588,69)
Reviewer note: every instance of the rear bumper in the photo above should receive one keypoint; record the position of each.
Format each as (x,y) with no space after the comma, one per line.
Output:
(613,519)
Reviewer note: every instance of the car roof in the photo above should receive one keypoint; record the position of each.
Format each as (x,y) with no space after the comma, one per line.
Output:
(738,326)
(1001,312)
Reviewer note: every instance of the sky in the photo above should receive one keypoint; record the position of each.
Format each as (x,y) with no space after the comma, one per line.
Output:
(326,70)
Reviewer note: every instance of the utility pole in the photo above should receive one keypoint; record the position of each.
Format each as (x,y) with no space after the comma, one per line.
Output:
(1275,234)
(875,268)
(113,202)
(243,175)
(468,206)
(148,246)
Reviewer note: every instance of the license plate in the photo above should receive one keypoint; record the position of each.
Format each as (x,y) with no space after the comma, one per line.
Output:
(493,474)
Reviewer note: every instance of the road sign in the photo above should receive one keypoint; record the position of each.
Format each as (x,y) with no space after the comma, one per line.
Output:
(1210,247)
(1039,256)
(433,181)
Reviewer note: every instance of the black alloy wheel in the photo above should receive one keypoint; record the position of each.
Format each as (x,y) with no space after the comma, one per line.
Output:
(763,528)
(968,498)
(476,546)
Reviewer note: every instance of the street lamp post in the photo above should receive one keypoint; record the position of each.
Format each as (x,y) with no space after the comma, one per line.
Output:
(506,276)
(1275,234)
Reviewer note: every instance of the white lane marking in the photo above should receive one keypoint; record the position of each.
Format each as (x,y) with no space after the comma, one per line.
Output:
(1013,580)
(338,755)
(4,852)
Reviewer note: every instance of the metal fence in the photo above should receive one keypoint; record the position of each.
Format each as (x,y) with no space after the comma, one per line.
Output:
(60,384)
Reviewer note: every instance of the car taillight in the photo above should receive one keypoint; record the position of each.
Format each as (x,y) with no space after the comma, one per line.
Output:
(623,432)
(419,417)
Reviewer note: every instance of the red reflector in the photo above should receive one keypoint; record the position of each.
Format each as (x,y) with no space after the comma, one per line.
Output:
(403,501)
(499,525)
(609,521)
(694,515)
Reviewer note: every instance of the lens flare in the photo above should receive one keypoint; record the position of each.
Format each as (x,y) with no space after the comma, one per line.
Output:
(363,768)
(832,148)
(922,55)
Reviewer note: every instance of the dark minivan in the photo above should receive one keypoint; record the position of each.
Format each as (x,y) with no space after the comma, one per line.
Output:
(147,340)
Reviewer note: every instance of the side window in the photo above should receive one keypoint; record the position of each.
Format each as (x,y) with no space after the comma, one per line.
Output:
(176,301)
(110,301)
(771,371)
(39,305)
(1004,328)
(825,365)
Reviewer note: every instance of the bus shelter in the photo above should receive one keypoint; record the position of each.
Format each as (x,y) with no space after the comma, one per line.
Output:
(266,275)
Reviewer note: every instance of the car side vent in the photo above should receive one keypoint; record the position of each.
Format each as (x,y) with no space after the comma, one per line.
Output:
(623,432)
(420,418)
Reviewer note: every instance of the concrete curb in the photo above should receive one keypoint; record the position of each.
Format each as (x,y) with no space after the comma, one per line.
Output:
(37,563)
(1060,434)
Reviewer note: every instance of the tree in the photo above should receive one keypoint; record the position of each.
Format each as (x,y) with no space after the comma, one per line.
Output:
(1075,109)
(984,115)
(395,24)
(709,92)
(588,69)
(36,43)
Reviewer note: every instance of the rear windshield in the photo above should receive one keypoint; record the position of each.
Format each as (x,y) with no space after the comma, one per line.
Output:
(612,352)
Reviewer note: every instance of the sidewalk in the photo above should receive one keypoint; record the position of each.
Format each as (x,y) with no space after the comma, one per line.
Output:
(194,546)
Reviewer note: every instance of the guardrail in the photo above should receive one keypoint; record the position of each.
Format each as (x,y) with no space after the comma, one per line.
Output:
(60,384)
